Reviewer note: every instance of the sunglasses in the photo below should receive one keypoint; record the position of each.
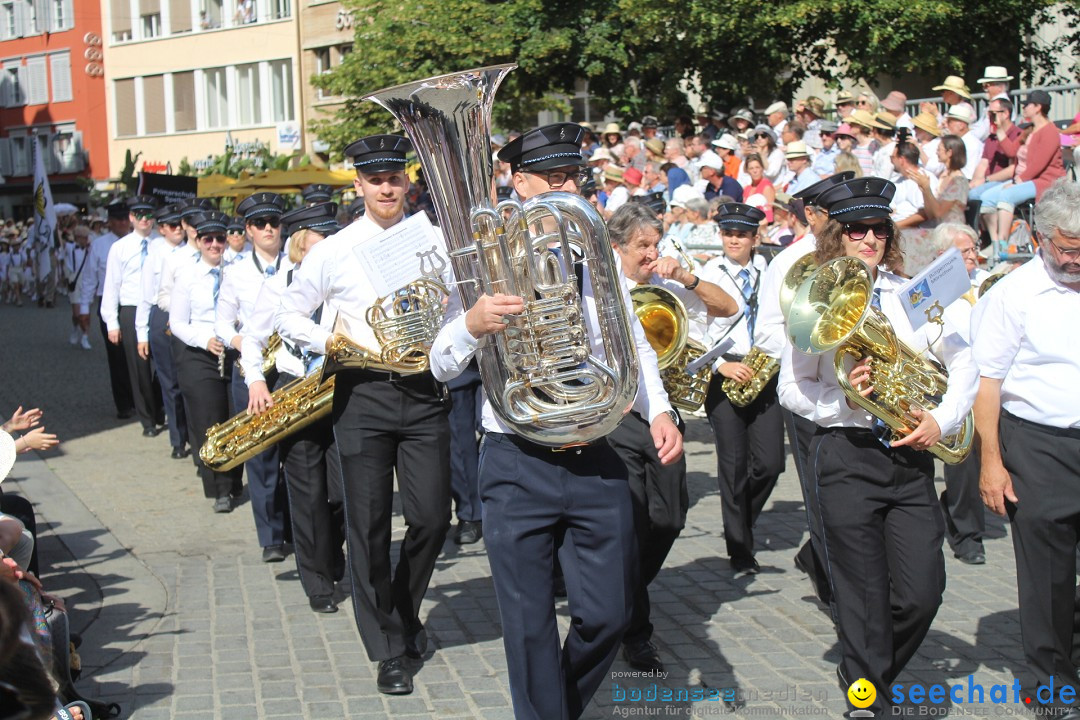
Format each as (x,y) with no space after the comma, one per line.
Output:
(172,225)
(142,214)
(208,239)
(761,136)
(857,231)
(261,223)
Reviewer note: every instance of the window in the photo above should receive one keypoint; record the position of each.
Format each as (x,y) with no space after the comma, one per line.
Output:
(13,84)
(5,157)
(179,16)
(322,66)
(280,9)
(247,85)
(67,150)
(281,91)
(60,69)
(245,12)
(216,94)
(124,92)
(184,101)
(20,155)
(210,13)
(153,98)
(150,18)
(63,16)
(37,82)
(121,20)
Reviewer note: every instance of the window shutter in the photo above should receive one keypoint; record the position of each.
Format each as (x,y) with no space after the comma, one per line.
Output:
(121,20)
(21,99)
(20,18)
(5,88)
(20,158)
(153,96)
(37,86)
(42,15)
(5,157)
(69,15)
(180,16)
(60,69)
(124,95)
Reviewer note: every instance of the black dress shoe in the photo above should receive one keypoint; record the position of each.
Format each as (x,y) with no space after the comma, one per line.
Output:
(745,566)
(322,604)
(179,453)
(642,655)
(151,431)
(273,553)
(973,557)
(394,677)
(223,505)
(469,532)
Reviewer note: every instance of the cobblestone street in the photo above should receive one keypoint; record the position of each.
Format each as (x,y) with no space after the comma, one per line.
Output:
(181,619)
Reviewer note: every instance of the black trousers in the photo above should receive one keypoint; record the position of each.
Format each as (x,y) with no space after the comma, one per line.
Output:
(206,395)
(883,533)
(381,426)
(536,500)
(161,353)
(800,433)
(965,521)
(749,459)
(144,385)
(466,393)
(1045,470)
(313,478)
(269,497)
(119,380)
(659,500)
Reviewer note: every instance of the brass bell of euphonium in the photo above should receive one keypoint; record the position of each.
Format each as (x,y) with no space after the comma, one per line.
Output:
(832,309)
(664,318)
(540,375)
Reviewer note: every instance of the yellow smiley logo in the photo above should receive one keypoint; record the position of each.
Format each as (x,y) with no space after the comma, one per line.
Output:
(861,693)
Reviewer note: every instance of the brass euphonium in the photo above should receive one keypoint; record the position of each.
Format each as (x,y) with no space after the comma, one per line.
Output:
(832,310)
(540,375)
(665,321)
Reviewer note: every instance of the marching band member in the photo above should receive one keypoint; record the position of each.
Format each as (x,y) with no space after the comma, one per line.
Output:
(76,255)
(877,514)
(316,193)
(657,491)
(152,323)
(240,285)
(382,421)
(119,224)
(1029,424)
(120,297)
(749,440)
(197,350)
(771,336)
(239,245)
(538,501)
(309,456)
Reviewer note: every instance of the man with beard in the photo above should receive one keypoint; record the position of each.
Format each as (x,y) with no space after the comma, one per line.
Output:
(383,421)
(1029,427)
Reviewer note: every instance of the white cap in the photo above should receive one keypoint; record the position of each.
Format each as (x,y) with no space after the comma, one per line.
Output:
(709,159)
(778,106)
(726,141)
(683,193)
(963,112)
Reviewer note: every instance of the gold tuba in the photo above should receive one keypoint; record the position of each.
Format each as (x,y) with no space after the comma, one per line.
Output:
(242,437)
(832,310)
(664,319)
(539,374)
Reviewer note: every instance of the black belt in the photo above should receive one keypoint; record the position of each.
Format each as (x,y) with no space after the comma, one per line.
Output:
(532,448)
(1068,432)
(367,374)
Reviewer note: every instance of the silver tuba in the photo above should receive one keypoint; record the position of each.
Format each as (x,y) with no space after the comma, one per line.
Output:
(540,375)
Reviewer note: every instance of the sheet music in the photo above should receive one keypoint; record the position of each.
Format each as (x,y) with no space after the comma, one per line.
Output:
(707,358)
(398,256)
(939,284)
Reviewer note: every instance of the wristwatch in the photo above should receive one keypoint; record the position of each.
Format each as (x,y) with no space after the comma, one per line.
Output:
(673,415)
(694,284)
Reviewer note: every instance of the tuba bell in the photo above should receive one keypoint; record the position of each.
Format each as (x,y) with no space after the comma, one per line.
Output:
(664,319)
(540,375)
(831,310)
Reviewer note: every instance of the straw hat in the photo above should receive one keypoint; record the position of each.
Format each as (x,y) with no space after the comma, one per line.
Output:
(995,74)
(796,149)
(957,85)
(612,128)
(927,122)
(863,118)
(962,112)
(613,173)
(601,154)
(885,121)
(656,147)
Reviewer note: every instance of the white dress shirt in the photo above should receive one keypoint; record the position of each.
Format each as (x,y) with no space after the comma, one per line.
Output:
(95,270)
(932,165)
(260,326)
(240,284)
(153,273)
(75,271)
(974,147)
(230,256)
(191,318)
(1022,336)
(454,348)
(808,385)
(123,276)
(770,332)
(908,199)
(184,257)
(725,273)
(617,198)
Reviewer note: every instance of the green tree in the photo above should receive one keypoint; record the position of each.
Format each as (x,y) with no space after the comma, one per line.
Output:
(636,53)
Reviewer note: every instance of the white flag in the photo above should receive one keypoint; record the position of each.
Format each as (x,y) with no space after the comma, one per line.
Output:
(44,228)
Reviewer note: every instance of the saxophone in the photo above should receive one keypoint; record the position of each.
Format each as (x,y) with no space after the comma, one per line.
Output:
(765,368)
(540,375)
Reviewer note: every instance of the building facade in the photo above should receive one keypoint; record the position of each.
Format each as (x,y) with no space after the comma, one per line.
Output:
(326,37)
(51,91)
(187,79)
